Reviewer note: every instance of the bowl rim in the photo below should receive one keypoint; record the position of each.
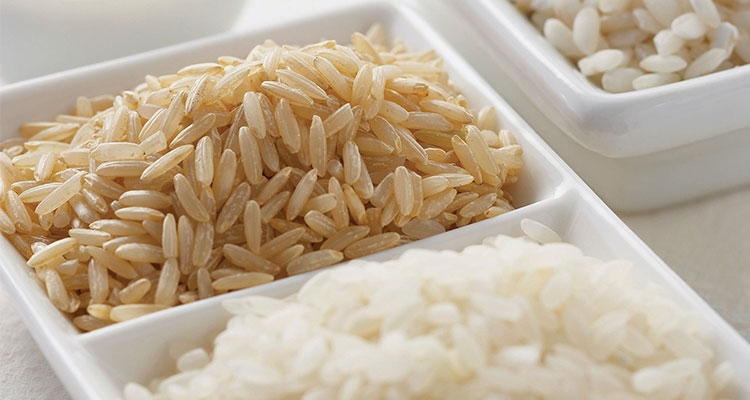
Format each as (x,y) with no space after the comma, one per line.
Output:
(576,105)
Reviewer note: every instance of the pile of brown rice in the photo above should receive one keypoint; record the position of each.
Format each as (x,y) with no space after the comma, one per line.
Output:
(231,174)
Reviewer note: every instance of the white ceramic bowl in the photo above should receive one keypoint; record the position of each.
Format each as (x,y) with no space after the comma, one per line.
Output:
(638,150)
(96,365)
(38,37)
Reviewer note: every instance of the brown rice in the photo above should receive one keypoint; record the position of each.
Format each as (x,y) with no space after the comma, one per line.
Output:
(228,175)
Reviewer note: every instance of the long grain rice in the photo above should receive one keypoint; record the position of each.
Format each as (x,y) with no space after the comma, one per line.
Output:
(333,78)
(243,258)
(233,207)
(186,239)
(252,226)
(288,128)
(318,146)
(323,203)
(344,151)
(203,244)
(224,178)
(274,206)
(132,293)
(51,251)
(167,285)
(338,120)
(354,204)
(281,242)
(194,131)
(89,237)
(61,194)
(241,281)
(166,162)
(372,244)
(301,194)
(169,239)
(139,252)
(345,237)
(189,200)
(129,311)
(145,198)
(112,262)
(17,212)
(274,185)
(320,223)
(313,260)
(301,83)
(293,95)
(139,214)
(351,161)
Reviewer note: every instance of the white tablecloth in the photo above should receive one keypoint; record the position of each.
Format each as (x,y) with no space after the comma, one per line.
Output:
(704,241)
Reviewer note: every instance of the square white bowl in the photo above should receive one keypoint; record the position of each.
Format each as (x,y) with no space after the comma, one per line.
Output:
(614,124)
(96,365)
(638,150)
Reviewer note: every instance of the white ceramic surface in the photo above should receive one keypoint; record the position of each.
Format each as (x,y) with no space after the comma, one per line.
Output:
(95,365)
(639,150)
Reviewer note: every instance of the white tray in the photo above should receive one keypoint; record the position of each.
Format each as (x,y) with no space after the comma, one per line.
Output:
(638,150)
(97,364)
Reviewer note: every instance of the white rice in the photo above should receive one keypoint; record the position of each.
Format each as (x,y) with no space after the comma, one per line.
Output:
(510,318)
(624,45)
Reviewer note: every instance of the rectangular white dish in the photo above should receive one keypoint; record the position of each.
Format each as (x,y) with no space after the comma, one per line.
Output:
(638,150)
(96,365)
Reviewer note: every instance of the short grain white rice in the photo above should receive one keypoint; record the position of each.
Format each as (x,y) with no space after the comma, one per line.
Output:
(441,331)
(620,45)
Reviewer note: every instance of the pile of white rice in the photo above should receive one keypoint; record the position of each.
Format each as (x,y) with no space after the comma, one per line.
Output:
(624,45)
(507,319)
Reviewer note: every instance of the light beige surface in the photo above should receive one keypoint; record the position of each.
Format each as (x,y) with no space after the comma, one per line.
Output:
(705,242)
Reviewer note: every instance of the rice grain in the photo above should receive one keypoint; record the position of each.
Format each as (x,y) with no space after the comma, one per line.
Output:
(112,262)
(59,195)
(333,78)
(312,261)
(233,207)
(189,200)
(301,194)
(129,311)
(166,287)
(241,281)
(290,94)
(166,162)
(372,244)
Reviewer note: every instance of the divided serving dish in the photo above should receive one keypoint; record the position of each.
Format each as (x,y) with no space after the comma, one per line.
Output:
(96,365)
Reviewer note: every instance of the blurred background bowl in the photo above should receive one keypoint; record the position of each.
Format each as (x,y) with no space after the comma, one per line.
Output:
(38,37)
